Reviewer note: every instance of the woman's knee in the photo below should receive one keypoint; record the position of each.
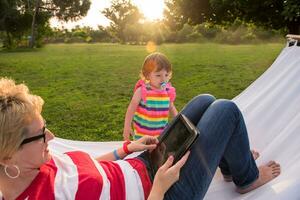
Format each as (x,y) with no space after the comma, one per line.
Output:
(204,98)
(226,105)
(197,106)
(200,102)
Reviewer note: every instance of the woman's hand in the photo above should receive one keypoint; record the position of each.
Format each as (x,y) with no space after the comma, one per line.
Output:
(166,176)
(144,143)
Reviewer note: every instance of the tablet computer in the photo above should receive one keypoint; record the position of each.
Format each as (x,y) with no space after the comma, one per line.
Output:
(176,140)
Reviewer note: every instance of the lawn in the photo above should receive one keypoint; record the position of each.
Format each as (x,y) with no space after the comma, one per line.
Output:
(87,87)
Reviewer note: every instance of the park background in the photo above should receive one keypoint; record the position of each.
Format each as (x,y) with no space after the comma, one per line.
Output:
(86,73)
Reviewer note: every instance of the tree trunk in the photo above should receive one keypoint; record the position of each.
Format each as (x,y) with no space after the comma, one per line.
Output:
(8,41)
(33,24)
(294,27)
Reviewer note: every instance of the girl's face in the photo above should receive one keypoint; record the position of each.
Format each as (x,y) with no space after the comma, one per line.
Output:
(158,77)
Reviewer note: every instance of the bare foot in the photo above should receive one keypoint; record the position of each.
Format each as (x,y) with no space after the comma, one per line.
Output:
(228,178)
(266,173)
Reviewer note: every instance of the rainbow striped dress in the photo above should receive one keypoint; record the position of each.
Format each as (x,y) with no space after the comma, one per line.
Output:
(152,113)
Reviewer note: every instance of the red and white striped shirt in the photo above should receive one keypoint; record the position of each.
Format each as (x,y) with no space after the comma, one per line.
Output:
(75,175)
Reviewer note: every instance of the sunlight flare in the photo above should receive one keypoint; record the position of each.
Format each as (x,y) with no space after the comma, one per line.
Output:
(152,9)
(150,47)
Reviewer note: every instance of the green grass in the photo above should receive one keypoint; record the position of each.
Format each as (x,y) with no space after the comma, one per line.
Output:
(87,87)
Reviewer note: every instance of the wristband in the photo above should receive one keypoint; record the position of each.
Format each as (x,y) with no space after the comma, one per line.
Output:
(117,157)
(125,147)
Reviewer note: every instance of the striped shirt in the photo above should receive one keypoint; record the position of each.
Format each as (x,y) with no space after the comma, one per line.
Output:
(152,113)
(75,175)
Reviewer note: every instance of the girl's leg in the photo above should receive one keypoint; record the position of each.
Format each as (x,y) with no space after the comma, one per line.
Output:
(222,132)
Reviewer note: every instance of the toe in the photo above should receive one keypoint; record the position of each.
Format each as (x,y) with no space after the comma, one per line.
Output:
(271,163)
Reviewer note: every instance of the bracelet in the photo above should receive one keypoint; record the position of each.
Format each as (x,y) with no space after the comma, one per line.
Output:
(125,147)
(117,157)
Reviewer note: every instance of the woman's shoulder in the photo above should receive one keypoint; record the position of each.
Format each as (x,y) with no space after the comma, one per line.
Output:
(71,157)
(42,186)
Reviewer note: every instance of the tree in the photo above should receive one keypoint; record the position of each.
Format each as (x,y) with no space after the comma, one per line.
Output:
(13,22)
(63,10)
(40,11)
(179,12)
(173,17)
(122,13)
(272,14)
(291,12)
(263,13)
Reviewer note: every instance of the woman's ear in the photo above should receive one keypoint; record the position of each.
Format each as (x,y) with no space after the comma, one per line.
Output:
(5,161)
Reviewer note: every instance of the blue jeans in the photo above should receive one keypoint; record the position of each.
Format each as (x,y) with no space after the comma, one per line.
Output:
(223,142)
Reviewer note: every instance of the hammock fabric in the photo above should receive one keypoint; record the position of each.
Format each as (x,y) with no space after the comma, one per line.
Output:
(271,106)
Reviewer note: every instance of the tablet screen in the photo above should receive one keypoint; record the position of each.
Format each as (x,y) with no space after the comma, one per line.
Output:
(176,140)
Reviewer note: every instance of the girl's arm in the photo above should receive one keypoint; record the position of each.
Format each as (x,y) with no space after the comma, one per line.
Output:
(173,109)
(130,112)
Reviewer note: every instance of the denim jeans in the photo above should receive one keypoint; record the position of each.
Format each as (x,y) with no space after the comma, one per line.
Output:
(223,142)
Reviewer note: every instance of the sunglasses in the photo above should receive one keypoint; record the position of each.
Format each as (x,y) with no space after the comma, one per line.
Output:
(37,137)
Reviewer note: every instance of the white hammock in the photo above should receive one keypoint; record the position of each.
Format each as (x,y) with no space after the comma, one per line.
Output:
(271,107)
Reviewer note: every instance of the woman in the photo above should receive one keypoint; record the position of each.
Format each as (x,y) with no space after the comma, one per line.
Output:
(28,170)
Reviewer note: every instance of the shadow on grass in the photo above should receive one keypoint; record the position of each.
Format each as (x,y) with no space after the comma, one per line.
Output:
(20,49)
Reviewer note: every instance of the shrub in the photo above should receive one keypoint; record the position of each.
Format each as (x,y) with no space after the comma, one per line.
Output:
(196,37)
(183,34)
(208,30)
(89,39)
(67,40)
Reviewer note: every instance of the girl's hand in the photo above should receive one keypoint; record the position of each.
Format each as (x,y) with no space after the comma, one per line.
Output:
(126,134)
(166,176)
(144,143)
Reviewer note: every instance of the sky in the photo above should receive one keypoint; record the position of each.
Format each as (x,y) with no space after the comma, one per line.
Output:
(152,10)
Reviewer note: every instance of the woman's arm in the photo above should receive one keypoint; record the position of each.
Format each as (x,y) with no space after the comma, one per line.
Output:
(166,176)
(130,112)
(173,109)
(144,143)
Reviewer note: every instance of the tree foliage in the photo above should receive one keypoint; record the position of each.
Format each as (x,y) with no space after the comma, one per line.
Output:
(266,13)
(179,12)
(13,22)
(17,17)
(291,13)
(66,9)
(173,17)
(273,14)
(122,13)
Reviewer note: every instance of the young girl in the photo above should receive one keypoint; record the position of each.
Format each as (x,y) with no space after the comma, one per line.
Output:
(152,100)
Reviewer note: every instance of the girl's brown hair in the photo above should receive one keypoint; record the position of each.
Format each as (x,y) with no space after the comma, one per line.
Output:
(155,62)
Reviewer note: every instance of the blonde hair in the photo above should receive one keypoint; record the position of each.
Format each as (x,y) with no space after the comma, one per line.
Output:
(17,108)
(155,62)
